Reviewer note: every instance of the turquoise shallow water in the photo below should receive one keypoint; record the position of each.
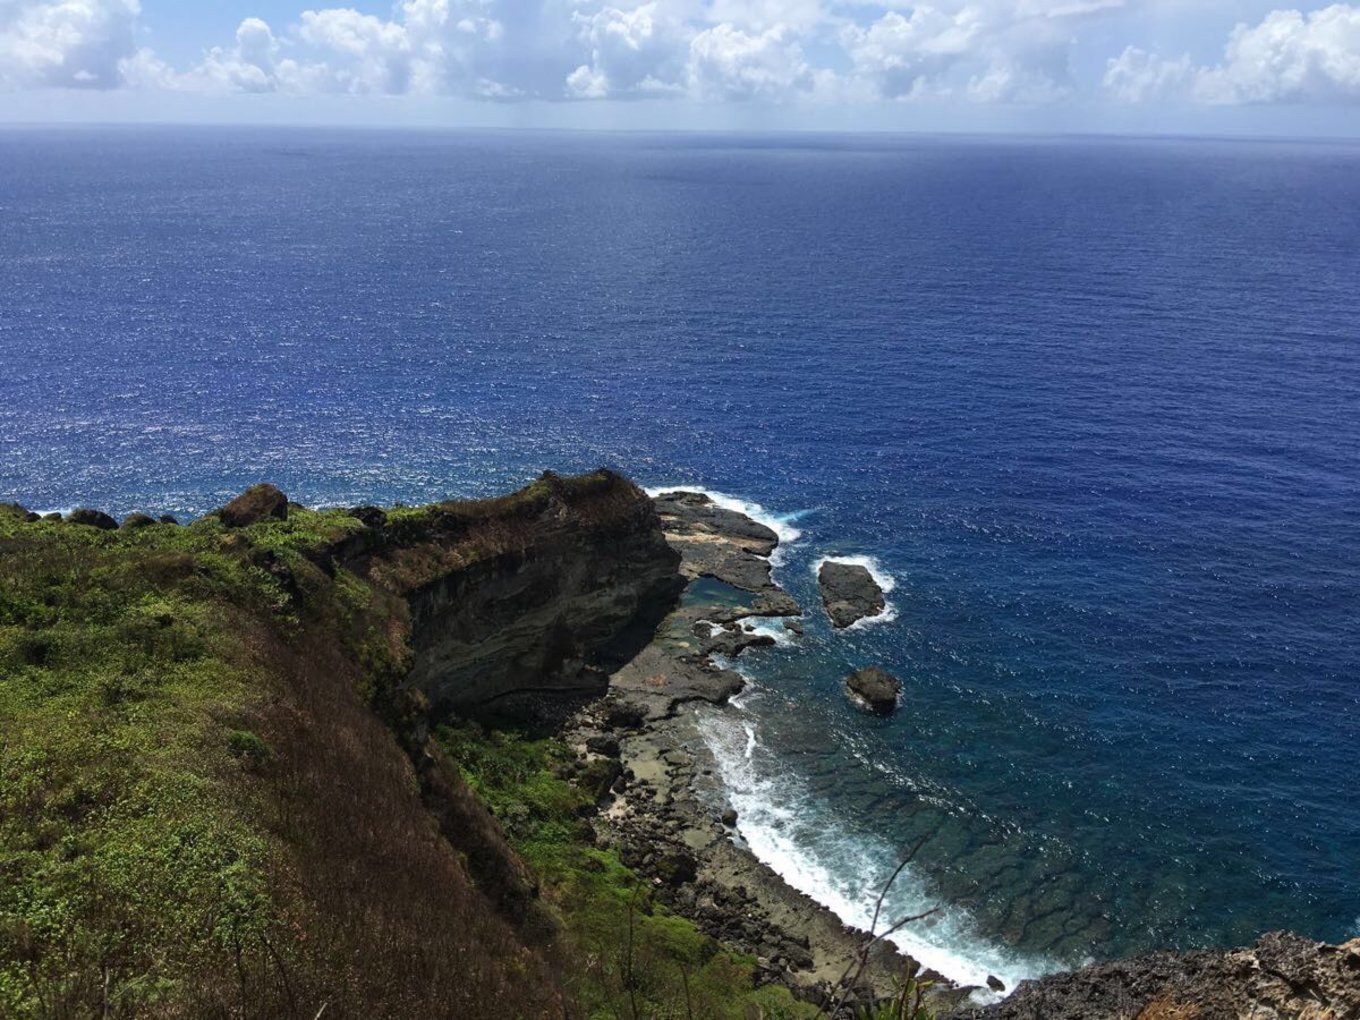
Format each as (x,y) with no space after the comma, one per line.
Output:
(1091,404)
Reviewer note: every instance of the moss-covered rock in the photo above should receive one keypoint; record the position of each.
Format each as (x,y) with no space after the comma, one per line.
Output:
(92,518)
(258,503)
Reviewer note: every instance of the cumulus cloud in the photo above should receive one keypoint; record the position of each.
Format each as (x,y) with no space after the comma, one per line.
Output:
(1288,57)
(984,51)
(728,63)
(635,51)
(70,43)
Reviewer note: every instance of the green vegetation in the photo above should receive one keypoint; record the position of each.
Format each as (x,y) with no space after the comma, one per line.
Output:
(635,958)
(203,812)
(196,798)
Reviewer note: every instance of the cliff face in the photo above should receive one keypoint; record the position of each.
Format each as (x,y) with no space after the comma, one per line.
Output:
(519,602)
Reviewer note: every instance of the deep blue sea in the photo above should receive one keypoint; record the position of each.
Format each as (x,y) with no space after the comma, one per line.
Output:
(1092,405)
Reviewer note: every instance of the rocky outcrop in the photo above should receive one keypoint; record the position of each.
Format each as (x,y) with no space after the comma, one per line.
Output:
(92,518)
(524,602)
(1282,977)
(849,593)
(874,689)
(257,503)
(724,544)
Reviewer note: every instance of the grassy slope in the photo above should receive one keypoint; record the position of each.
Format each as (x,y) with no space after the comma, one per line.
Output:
(201,814)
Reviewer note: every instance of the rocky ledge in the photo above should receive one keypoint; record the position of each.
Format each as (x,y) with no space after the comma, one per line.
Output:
(849,593)
(1282,976)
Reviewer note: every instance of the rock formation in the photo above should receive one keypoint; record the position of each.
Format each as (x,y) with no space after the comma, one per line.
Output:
(520,602)
(874,689)
(255,504)
(1282,976)
(849,593)
(92,518)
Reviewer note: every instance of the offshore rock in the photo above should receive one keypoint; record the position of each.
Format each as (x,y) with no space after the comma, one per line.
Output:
(849,593)
(1282,976)
(257,503)
(874,689)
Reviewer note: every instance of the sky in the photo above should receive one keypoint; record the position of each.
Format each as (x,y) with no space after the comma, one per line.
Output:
(1232,67)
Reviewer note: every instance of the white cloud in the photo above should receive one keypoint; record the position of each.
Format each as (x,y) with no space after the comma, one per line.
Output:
(728,63)
(637,51)
(1288,57)
(1137,76)
(71,43)
(983,51)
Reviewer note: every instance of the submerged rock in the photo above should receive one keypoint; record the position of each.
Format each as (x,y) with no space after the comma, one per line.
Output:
(257,503)
(849,593)
(874,689)
(92,518)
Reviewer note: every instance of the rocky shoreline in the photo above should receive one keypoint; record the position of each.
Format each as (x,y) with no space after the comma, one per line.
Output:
(664,810)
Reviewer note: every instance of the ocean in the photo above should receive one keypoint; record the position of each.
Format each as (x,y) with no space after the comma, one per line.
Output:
(1091,406)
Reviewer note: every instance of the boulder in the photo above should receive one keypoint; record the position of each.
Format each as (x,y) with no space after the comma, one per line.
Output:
(849,593)
(258,503)
(371,516)
(167,519)
(133,522)
(874,689)
(92,518)
(603,743)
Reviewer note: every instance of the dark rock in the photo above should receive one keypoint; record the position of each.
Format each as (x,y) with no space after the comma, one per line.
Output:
(371,516)
(624,715)
(729,817)
(874,688)
(603,744)
(134,522)
(995,983)
(167,519)
(731,644)
(92,518)
(257,503)
(1283,975)
(51,517)
(794,627)
(676,868)
(849,593)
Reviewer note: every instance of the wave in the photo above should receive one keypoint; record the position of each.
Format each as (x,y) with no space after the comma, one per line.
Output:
(842,868)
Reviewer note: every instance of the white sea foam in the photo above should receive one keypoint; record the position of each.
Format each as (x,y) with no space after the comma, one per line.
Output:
(881,577)
(768,627)
(780,524)
(842,869)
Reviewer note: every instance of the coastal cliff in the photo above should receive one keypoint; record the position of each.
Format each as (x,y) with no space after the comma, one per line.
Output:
(249,770)
(529,599)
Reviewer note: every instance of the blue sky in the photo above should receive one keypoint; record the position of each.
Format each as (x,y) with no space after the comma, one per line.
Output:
(1202,66)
